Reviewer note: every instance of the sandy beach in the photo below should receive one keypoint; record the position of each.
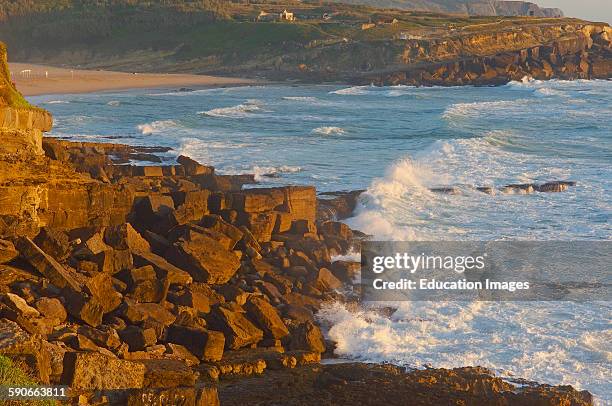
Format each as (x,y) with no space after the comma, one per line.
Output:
(33,80)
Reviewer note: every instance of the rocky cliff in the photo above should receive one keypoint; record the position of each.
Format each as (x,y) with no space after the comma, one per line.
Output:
(468,7)
(482,55)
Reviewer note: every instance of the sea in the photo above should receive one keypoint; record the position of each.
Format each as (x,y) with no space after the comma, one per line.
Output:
(397,143)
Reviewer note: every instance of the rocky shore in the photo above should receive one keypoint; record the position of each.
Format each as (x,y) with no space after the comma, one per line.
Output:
(173,285)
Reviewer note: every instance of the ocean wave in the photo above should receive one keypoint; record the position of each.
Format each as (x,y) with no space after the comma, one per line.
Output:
(478,109)
(244,110)
(56,102)
(114,103)
(156,127)
(351,91)
(308,99)
(448,334)
(328,130)
(390,198)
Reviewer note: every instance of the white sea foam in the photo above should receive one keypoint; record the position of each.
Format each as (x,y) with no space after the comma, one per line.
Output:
(114,103)
(57,102)
(352,91)
(156,127)
(328,130)
(352,255)
(263,172)
(509,338)
(244,110)
(307,99)
(479,109)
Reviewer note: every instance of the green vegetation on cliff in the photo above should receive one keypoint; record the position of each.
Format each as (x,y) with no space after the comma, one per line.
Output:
(12,375)
(9,96)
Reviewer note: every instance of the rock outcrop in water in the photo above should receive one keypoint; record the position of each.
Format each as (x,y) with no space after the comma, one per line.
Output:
(170,284)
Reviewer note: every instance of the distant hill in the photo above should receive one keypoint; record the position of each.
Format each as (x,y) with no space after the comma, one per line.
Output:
(469,7)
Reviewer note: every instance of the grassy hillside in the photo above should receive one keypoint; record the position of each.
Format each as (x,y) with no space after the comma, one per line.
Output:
(213,36)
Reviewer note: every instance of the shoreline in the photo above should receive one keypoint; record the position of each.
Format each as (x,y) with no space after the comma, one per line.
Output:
(43,80)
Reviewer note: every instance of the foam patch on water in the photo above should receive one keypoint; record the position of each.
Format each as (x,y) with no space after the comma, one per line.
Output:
(57,102)
(245,110)
(265,172)
(352,91)
(114,103)
(156,127)
(329,131)
(509,338)
(306,99)
(480,109)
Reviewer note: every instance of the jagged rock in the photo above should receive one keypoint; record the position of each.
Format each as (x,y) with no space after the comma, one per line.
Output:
(20,306)
(103,336)
(100,287)
(298,313)
(136,313)
(193,168)
(112,261)
(7,251)
(138,338)
(552,187)
(207,345)
(346,271)
(177,351)
(266,317)
(125,237)
(191,206)
(53,242)
(238,330)
(205,259)
(46,265)
(326,281)
(84,307)
(191,298)
(93,371)
(51,308)
(336,229)
(307,336)
(163,268)
(19,345)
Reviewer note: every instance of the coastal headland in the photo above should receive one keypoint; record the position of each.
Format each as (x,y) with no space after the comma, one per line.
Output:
(137,283)
(314,43)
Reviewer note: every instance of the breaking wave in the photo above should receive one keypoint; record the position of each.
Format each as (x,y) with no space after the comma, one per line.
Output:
(328,130)
(244,110)
(114,103)
(156,127)
(57,102)
(352,91)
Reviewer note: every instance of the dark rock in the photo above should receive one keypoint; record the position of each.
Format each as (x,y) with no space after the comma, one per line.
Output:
(46,265)
(207,345)
(266,317)
(238,330)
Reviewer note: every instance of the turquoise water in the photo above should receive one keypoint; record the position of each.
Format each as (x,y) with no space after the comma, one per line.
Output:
(397,142)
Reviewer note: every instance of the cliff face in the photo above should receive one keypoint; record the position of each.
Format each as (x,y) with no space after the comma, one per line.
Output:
(485,56)
(468,7)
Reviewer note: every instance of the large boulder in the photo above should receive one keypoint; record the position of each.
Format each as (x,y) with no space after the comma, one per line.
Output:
(93,371)
(238,330)
(207,345)
(46,265)
(205,259)
(266,317)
